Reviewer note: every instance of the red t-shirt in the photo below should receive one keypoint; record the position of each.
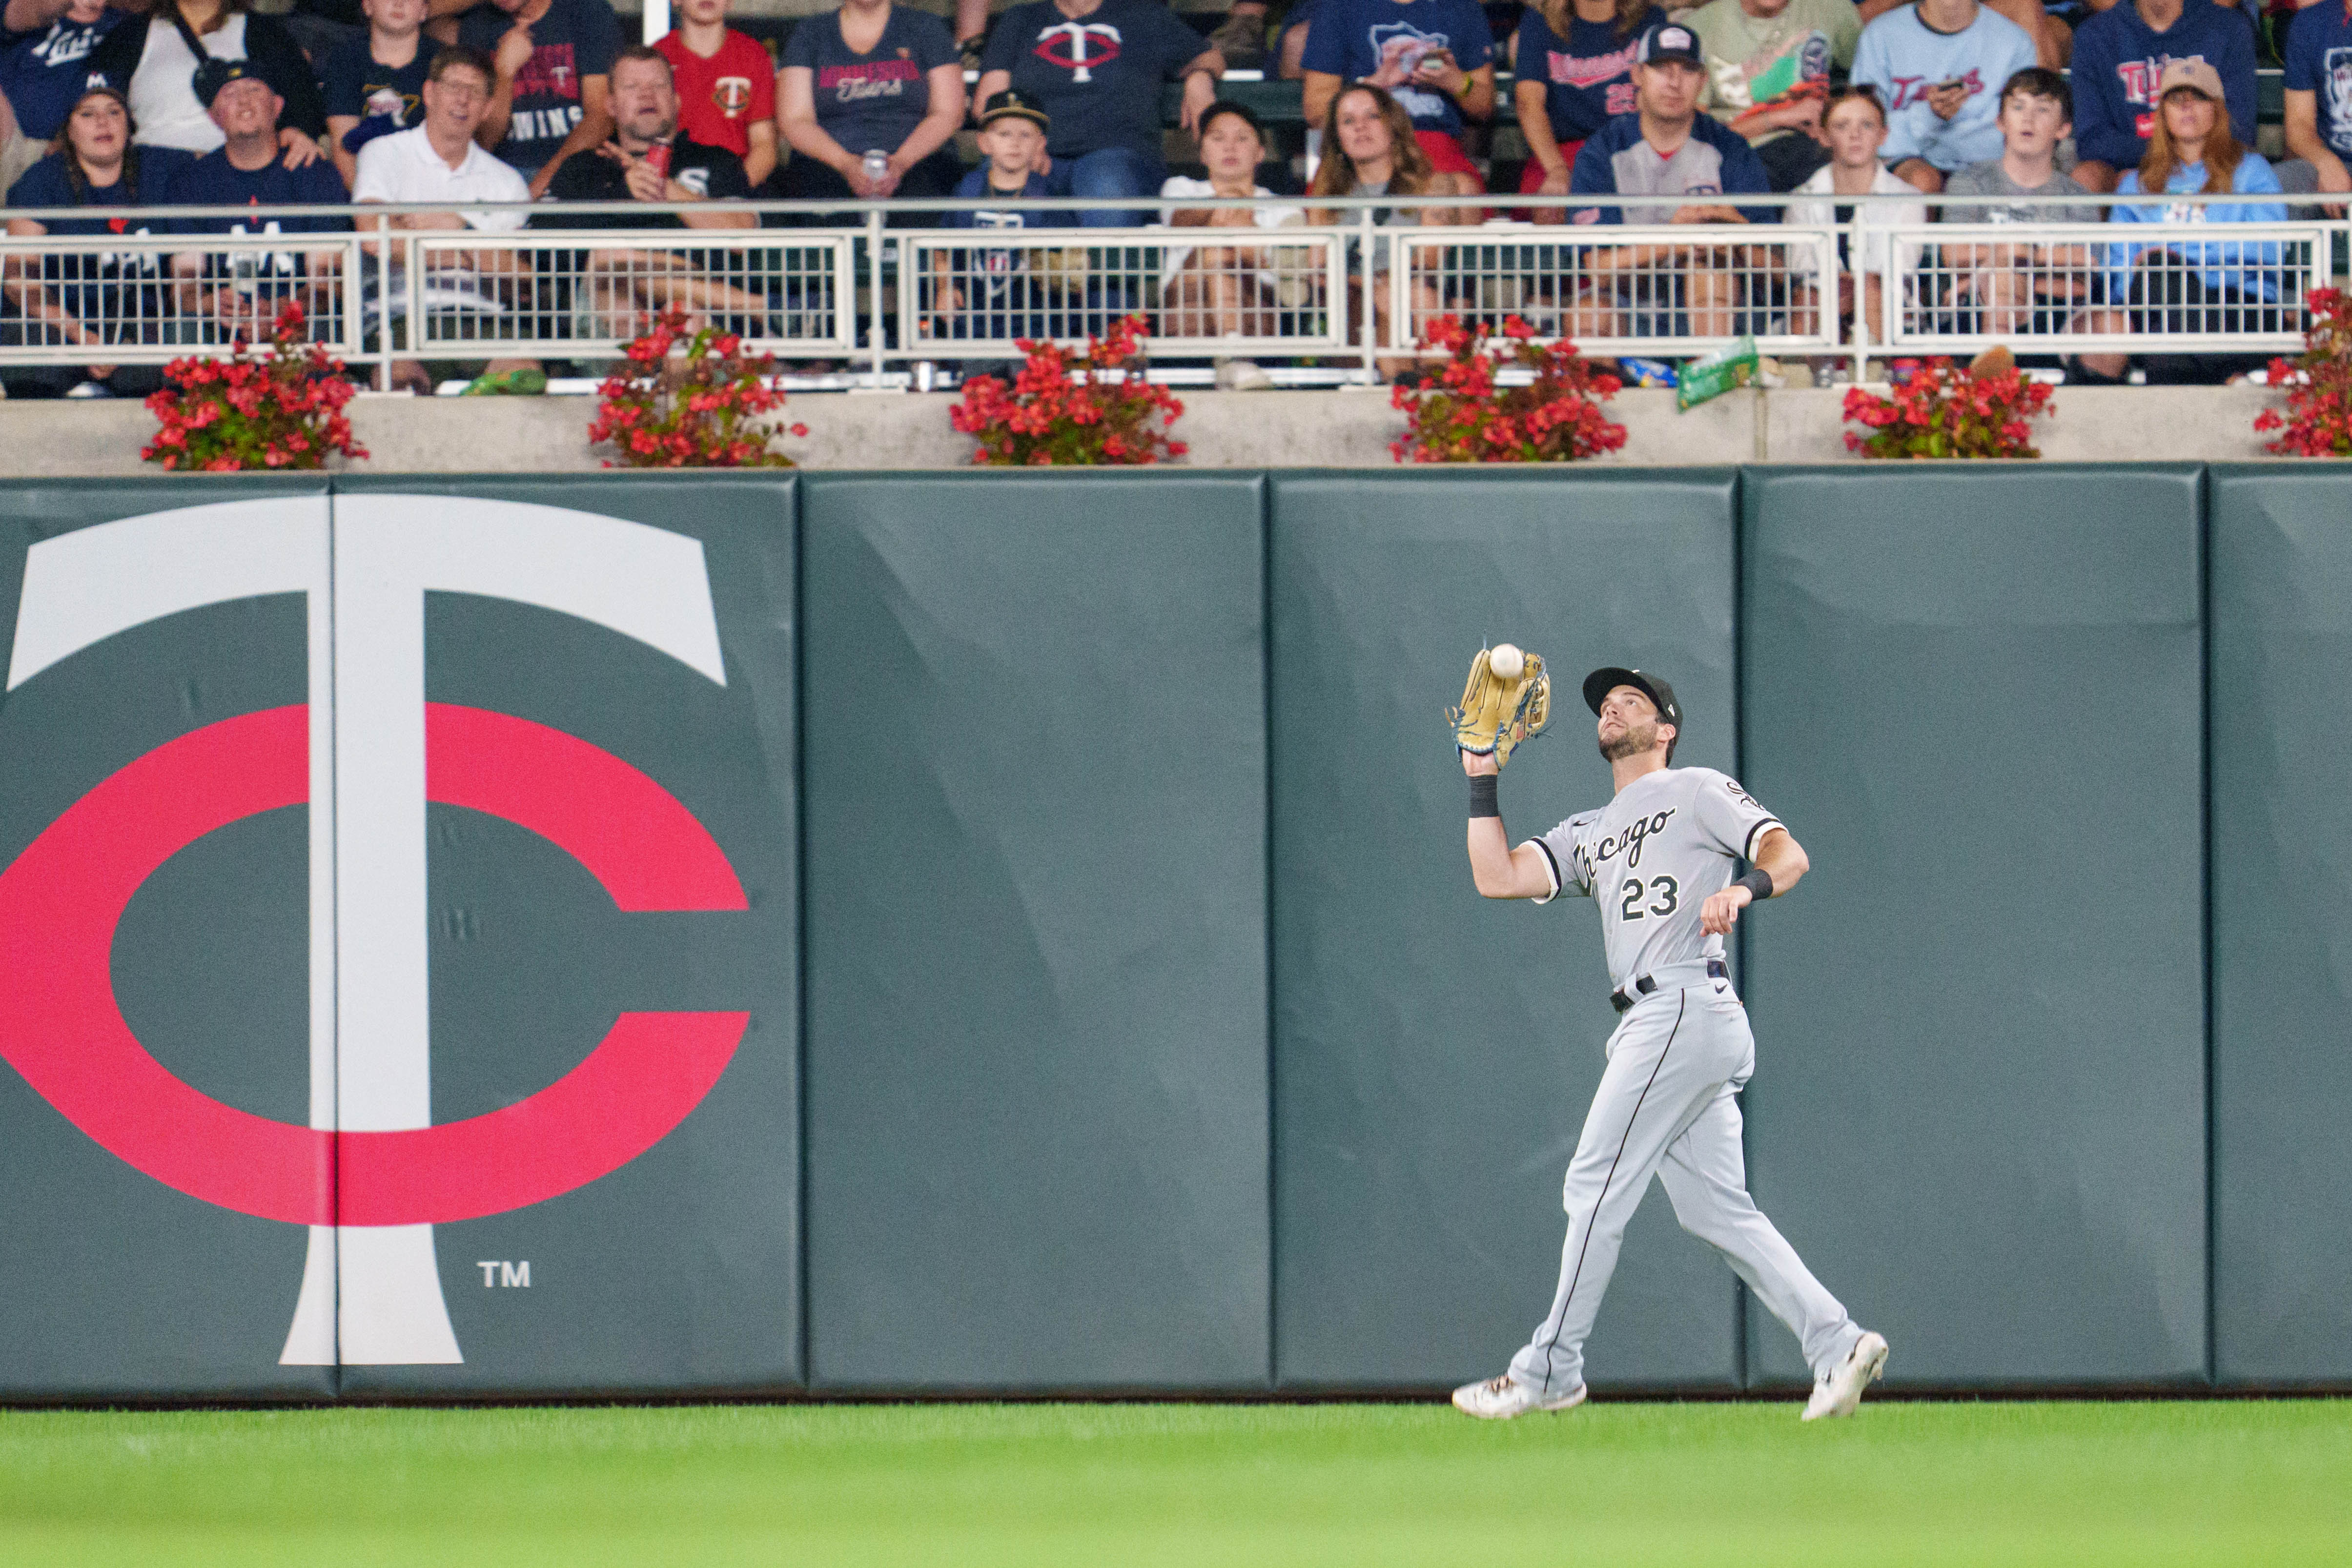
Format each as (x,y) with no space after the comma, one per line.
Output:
(721,97)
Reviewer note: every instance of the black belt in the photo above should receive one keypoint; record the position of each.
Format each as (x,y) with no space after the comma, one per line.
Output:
(1641,988)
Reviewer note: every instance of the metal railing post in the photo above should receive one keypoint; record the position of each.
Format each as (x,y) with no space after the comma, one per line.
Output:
(1372,316)
(1850,232)
(874,282)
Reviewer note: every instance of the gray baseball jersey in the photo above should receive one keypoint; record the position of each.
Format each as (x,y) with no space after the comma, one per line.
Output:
(1651,858)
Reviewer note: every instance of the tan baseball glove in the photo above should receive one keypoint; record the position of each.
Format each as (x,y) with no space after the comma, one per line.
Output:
(1497,712)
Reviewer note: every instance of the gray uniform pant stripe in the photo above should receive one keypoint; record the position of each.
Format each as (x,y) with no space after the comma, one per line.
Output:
(1666,1107)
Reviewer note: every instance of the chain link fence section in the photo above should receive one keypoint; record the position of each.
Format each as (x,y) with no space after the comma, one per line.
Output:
(146,299)
(582,294)
(2169,289)
(972,293)
(1672,289)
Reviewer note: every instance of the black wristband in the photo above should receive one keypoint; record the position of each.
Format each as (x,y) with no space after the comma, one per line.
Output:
(1482,796)
(1758,883)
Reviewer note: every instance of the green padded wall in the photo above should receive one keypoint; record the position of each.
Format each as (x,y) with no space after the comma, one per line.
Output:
(2282,739)
(1036,1002)
(116,1284)
(680,1270)
(1974,695)
(1435,1053)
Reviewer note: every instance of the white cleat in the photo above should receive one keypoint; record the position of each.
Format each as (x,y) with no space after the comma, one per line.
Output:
(1840,1392)
(1500,1398)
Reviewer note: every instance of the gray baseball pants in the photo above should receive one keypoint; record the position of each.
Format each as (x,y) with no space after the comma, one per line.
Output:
(1665,1107)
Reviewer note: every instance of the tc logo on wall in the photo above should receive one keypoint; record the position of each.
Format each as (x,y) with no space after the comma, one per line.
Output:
(370,1175)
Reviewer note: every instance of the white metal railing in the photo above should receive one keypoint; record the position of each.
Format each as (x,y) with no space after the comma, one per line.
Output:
(1350,292)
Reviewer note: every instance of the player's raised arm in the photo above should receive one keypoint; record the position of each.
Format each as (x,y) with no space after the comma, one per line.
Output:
(1498,869)
(1780,860)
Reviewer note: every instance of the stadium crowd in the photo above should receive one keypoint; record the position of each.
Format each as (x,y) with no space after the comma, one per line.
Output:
(1672,117)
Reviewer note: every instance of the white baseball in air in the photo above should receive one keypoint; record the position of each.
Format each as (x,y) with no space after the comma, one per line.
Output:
(1508,663)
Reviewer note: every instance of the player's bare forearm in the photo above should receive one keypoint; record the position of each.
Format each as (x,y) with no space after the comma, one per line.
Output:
(1495,869)
(1780,857)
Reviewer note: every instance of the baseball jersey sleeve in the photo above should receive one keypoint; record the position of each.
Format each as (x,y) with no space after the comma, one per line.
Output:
(1561,863)
(1729,815)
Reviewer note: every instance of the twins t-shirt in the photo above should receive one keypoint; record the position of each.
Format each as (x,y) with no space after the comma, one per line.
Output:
(720,98)
(1588,75)
(1097,78)
(43,72)
(2318,60)
(873,101)
(576,38)
(1385,40)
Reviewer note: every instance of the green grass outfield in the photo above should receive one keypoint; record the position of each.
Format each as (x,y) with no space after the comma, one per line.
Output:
(1353,1485)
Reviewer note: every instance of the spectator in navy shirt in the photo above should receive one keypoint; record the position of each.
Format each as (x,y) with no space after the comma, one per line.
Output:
(874,76)
(43,73)
(1668,150)
(555,64)
(90,299)
(1436,57)
(2120,54)
(1573,65)
(2319,101)
(999,293)
(1094,68)
(375,82)
(243,290)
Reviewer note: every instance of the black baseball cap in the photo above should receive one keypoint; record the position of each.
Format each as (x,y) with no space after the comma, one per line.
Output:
(1673,42)
(1017,104)
(1601,683)
(216,74)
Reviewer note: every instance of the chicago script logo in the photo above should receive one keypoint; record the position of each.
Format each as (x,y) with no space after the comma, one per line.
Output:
(370,1175)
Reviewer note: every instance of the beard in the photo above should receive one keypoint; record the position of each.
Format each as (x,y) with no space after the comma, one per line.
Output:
(1637,740)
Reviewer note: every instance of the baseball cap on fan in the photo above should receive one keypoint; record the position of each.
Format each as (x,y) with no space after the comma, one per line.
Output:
(1673,42)
(1601,683)
(2193,74)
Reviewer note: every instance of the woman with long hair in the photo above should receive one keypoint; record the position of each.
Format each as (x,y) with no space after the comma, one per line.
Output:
(2192,285)
(90,299)
(1225,290)
(151,61)
(1573,62)
(1370,149)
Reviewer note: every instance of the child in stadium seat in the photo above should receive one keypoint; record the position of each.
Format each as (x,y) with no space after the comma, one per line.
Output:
(1855,122)
(1004,293)
(1230,290)
(726,86)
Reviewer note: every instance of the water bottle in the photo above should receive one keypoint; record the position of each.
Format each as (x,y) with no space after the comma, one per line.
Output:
(877,166)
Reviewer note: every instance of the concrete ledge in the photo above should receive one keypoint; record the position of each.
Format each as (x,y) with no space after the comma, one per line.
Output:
(1224,430)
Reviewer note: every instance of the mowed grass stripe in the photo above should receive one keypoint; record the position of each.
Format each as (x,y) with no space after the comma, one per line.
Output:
(1350,1485)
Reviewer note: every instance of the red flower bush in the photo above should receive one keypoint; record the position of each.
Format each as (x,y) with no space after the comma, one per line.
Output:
(283,411)
(1462,417)
(2317,420)
(692,410)
(1950,411)
(1045,419)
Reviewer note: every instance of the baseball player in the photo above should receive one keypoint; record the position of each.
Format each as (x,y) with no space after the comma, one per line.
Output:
(1657,860)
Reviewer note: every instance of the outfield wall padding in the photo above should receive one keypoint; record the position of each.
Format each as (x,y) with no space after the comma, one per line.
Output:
(1006,933)
(1434,1053)
(1979,1108)
(1036,933)
(2281,854)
